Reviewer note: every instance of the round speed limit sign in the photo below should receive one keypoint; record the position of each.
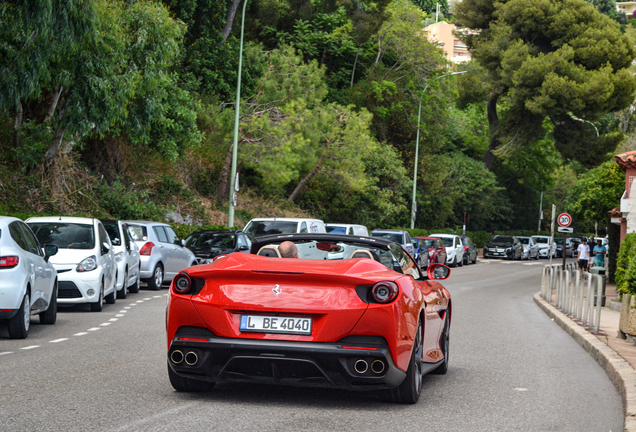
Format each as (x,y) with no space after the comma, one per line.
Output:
(565,219)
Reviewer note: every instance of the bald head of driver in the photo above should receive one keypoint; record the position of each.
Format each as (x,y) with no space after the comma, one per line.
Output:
(288,249)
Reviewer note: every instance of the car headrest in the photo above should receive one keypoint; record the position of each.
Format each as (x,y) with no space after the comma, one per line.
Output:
(361,253)
(269,251)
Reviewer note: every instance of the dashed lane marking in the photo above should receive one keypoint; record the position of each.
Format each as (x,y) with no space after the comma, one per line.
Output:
(123,311)
(6,352)
(133,304)
(140,301)
(104,324)
(58,340)
(113,319)
(30,347)
(126,308)
(120,315)
(93,329)
(147,298)
(156,296)
(80,334)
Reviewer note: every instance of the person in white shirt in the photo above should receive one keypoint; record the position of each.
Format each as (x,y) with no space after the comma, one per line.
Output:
(583,256)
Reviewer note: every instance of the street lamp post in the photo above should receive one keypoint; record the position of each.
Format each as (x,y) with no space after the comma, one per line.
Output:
(417,147)
(237,110)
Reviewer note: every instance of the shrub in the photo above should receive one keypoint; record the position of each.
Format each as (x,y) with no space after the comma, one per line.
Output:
(626,266)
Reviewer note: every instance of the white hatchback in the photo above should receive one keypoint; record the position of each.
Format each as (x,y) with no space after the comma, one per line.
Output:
(28,282)
(127,258)
(454,248)
(85,262)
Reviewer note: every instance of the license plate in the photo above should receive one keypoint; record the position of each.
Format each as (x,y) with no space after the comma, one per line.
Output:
(275,324)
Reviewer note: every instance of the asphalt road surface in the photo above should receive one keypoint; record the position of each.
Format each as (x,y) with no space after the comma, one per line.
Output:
(511,369)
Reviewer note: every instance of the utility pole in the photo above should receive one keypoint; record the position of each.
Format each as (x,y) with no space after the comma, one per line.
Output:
(540,212)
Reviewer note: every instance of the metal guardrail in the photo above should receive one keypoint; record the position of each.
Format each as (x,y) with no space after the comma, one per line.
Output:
(574,294)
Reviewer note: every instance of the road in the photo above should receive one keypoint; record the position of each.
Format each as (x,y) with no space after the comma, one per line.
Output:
(511,369)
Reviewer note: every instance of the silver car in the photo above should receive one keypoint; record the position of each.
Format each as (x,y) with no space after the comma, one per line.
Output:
(400,237)
(28,282)
(530,248)
(127,258)
(163,253)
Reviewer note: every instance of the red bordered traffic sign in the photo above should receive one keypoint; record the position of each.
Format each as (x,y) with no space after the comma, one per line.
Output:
(564,219)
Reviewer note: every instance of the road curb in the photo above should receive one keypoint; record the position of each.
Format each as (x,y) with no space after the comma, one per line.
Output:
(618,370)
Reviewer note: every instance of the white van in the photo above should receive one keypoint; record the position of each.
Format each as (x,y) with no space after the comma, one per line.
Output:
(264,226)
(350,229)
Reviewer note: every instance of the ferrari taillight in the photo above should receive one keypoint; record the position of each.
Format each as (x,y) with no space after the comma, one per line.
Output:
(384,292)
(9,261)
(182,283)
(146,249)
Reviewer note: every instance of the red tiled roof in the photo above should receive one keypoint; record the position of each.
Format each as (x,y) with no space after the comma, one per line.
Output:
(615,212)
(626,160)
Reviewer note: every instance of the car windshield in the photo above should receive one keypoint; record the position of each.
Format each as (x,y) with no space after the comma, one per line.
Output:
(138,232)
(211,240)
(393,257)
(394,237)
(502,239)
(431,244)
(336,230)
(259,228)
(113,232)
(448,241)
(524,240)
(541,239)
(558,241)
(64,235)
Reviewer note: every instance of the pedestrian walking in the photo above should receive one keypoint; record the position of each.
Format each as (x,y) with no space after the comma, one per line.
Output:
(599,254)
(590,250)
(583,256)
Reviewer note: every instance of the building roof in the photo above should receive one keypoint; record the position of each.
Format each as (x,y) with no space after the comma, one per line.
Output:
(626,160)
(615,212)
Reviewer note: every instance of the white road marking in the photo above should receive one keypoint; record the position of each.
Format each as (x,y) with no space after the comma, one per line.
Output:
(133,304)
(120,315)
(123,311)
(521,389)
(113,319)
(30,347)
(6,352)
(81,333)
(156,296)
(147,298)
(533,264)
(58,340)
(104,324)
(93,329)
(140,301)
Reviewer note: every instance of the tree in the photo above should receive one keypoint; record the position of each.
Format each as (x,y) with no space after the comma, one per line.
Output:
(546,59)
(430,6)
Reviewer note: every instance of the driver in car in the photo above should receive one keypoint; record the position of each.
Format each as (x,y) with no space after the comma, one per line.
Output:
(288,249)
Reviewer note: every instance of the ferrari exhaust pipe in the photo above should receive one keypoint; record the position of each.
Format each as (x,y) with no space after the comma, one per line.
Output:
(176,356)
(361,366)
(377,366)
(191,358)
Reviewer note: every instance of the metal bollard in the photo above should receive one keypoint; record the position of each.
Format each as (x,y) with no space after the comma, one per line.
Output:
(599,302)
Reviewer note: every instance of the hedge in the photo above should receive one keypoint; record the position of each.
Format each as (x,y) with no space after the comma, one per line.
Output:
(626,266)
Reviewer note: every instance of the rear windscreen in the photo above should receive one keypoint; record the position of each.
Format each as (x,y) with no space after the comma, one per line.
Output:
(259,228)
(336,230)
(138,232)
(394,237)
(64,235)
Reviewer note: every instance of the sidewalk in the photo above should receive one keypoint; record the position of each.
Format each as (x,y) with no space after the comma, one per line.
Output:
(615,355)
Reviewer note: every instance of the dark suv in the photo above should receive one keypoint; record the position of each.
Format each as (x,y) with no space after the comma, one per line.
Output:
(207,244)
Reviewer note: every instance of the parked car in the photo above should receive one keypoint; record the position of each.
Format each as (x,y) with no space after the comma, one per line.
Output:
(559,247)
(436,249)
(508,247)
(545,249)
(372,321)
(530,248)
(127,257)
(350,229)
(470,250)
(420,249)
(85,261)
(454,249)
(163,253)
(401,237)
(574,244)
(265,226)
(28,281)
(207,244)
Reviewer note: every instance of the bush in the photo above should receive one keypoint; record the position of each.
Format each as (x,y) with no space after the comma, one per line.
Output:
(184,230)
(128,204)
(626,266)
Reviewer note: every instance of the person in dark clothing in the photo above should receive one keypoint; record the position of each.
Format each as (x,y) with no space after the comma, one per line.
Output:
(590,246)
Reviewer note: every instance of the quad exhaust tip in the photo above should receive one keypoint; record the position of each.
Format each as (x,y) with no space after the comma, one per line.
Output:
(361,366)
(176,357)
(191,358)
(377,366)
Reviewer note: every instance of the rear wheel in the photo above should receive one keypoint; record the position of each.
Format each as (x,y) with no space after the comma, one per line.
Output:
(409,391)
(182,384)
(49,316)
(123,292)
(20,323)
(154,283)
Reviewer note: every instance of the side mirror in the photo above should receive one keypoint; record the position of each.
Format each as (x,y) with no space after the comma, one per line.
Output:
(105,247)
(49,251)
(183,243)
(438,272)
(243,248)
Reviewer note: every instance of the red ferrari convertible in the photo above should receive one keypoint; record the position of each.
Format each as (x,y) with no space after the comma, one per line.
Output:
(350,312)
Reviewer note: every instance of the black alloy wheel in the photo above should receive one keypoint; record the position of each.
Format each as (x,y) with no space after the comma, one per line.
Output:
(409,391)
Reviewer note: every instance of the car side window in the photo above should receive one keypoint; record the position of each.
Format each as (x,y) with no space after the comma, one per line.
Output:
(32,242)
(172,236)
(103,238)
(18,237)
(351,231)
(303,227)
(408,238)
(161,234)
(127,239)
(406,264)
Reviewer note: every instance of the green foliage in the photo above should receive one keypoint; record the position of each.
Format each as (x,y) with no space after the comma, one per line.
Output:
(127,203)
(626,266)
(595,193)
(430,6)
